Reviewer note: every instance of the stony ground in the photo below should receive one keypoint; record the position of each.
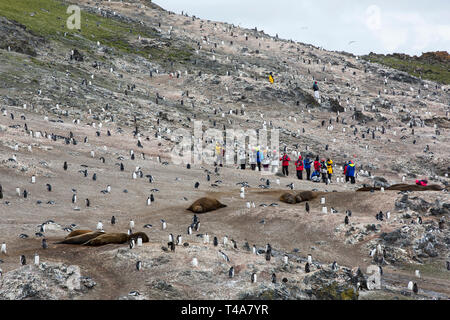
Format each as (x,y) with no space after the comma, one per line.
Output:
(45,95)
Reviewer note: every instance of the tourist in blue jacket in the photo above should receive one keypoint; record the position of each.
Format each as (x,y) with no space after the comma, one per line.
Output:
(307,164)
(350,172)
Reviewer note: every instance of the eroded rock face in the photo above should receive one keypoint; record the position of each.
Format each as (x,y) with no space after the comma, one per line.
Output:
(414,203)
(48,281)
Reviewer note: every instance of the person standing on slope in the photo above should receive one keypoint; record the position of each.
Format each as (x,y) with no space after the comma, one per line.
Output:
(350,172)
(299,166)
(307,164)
(285,163)
(330,168)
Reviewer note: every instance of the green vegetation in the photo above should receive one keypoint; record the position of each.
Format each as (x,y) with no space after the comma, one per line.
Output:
(48,18)
(434,66)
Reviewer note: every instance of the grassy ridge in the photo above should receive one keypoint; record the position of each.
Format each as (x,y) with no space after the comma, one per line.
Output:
(48,18)
(430,66)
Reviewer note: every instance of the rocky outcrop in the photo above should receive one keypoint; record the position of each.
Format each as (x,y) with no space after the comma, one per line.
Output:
(48,281)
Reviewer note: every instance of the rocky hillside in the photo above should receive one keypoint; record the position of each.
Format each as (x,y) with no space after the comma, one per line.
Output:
(434,66)
(106,100)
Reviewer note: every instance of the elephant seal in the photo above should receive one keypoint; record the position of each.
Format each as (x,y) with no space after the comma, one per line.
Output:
(405,187)
(107,238)
(204,205)
(306,196)
(299,197)
(77,233)
(82,238)
(136,235)
(288,198)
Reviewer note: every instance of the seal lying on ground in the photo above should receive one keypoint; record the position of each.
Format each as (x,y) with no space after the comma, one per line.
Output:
(306,196)
(405,187)
(136,235)
(77,233)
(299,197)
(203,205)
(107,238)
(288,198)
(82,238)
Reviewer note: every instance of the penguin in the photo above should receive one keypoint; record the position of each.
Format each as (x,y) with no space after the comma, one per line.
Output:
(74,198)
(99,225)
(131,224)
(225,240)
(171,245)
(163,224)
(197,226)
(113,220)
(448,265)
(132,244)
(189,230)
(346,220)
(170,237)
(94,177)
(194,262)
(152,198)
(216,242)
(285,259)
(23,260)
(65,165)
(231,272)
(419,220)
(139,265)
(122,168)
(254,249)
(49,187)
(334,266)
(415,288)
(224,256)
(268,255)
(307,207)
(253,278)
(179,240)
(3,248)
(307,268)
(274,278)
(44,244)
(196,185)
(348,213)
(25,194)
(206,238)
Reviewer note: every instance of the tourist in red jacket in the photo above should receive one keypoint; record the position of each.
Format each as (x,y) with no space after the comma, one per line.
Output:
(317,165)
(299,167)
(285,163)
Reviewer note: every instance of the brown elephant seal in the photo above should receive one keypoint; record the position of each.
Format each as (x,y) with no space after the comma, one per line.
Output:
(203,205)
(77,233)
(82,238)
(306,196)
(107,238)
(404,187)
(136,235)
(288,198)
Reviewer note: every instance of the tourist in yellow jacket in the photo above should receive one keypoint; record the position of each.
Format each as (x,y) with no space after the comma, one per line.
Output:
(271,79)
(329,168)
